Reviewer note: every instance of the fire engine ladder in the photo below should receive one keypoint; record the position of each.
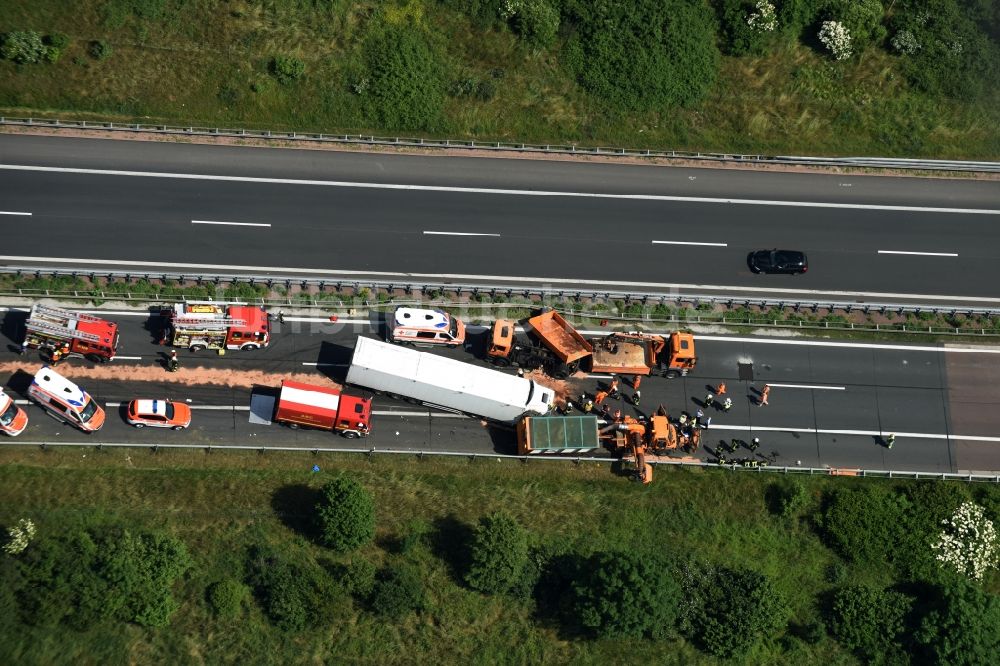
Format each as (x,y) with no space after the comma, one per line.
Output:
(201,322)
(59,313)
(57,331)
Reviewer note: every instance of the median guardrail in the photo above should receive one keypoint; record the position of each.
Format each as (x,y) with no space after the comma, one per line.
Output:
(499,146)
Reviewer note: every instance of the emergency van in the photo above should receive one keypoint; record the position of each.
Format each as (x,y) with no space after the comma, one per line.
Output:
(58,333)
(200,325)
(65,400)
(418,326)
(13,420)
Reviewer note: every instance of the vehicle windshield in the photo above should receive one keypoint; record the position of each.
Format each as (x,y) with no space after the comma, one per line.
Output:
(170,410)
(88,411)
(453,328)
(788,258)
(8,414)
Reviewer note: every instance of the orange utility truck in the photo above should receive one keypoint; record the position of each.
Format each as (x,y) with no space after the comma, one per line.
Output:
(555,346)
(643,354)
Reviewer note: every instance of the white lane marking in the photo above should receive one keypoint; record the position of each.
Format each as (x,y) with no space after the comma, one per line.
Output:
(232,224)
(483,190)
(809,386)
(659,242)
(457,233)
(326,365)
(127,358)
(12,212)
(440,415)
(854,345)
(575,282)
(600,376)
(863,433)
(920,254)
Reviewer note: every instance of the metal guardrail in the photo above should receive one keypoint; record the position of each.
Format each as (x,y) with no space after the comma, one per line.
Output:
(373,451)
(543,294)
(501,146)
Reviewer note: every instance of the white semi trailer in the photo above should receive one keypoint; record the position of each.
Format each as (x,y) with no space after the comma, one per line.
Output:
(442,382)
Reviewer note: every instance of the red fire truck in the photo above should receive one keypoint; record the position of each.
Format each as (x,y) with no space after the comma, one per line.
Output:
(200,325)
(59,333)
(324,408)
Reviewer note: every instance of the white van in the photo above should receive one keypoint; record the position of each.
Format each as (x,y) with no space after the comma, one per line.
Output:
(13,420)
(65,400)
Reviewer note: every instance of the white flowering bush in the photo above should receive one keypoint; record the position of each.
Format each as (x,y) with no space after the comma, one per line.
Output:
(968,541)
(764,19)
(905,42)
(19,536)
(510,8)
(836,39)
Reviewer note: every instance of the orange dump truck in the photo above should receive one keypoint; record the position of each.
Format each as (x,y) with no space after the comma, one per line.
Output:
(560,350)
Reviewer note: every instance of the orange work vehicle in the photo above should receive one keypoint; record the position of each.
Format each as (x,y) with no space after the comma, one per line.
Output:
(556,347)
(200,325)
(59,333)
(643,354)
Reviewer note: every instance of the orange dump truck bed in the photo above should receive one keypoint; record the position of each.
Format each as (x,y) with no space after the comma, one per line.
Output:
(560,337)
(624,355)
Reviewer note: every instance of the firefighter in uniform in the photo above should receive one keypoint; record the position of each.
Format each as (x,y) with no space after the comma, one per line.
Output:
(173,365)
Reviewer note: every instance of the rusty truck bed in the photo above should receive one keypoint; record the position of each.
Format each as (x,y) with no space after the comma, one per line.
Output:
(559,336)
(632,357)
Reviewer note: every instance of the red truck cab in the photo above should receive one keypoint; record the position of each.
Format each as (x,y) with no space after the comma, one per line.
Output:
(325,408)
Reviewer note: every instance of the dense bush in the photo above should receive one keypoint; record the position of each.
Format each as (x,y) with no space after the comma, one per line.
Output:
(729,611)
(483,13)
(645,54)
(947,52)
(345,515)
(627,594)
(862,18)
(535,21)
(101,574)
(55,45)
(738,36)
(291,595)
(929,504)
(794,16)
(359,577)
(866,524)
(963,627)
(227,597)
(868,620)
(23,47)
(286,69)
(498,554)
(397,591)
(404,88)
(100,49)
(788,497)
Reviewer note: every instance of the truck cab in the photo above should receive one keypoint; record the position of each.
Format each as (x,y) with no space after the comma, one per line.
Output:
(420,326)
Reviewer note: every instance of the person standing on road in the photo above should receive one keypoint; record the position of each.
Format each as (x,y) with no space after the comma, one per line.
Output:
(727,405)
(890,440)
(635,398)
(764,393)
(709,400)
(600,397)
(636,380)
(721,390)
(173,365)
(613,389)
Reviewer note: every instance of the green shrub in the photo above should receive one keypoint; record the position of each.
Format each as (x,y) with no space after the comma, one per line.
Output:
(405,84)
(54,46)
(359,577)
(23,47)
(625,595)
(862,18)
(535,21)
(227,597)
(789,497)
(345,515)
(115,13)
(397,592)
(950,54)
(498,554)
(286,69)
(962,628)
(100,49)
(929,504)
(483,13)
(867,620)
(794,16)
(290,595)
(738,37)
(730,611)
(642,55)
(864,525)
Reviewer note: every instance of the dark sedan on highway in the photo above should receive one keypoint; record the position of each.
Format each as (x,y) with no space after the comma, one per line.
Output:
(791,262)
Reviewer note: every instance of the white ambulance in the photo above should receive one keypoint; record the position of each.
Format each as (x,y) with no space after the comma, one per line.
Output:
(65,400)
(420,326)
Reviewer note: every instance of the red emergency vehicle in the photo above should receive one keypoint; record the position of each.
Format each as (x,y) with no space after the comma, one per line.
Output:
(59,333)
(324,408)
(200,325)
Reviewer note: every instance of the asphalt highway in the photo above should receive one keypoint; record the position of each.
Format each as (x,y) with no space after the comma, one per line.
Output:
(372,213)
(830,403)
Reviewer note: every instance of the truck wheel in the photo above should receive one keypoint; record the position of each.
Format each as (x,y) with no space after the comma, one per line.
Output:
(178,427)
(350,434)
(95,358)
(560,373)
(198,348)
(671,374)
(501,362)
(139,425)
(249,347)
(293,426)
